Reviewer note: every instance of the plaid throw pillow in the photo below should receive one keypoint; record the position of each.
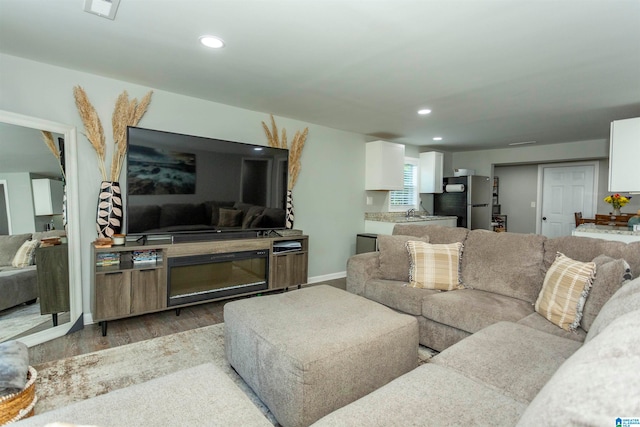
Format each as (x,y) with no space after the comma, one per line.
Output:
(26,254)
(564,291)
(435,266)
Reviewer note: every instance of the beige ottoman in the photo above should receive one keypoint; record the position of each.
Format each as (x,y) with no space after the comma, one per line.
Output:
(309,352)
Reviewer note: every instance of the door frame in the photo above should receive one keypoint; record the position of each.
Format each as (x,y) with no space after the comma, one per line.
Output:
(3,183)
(542,166)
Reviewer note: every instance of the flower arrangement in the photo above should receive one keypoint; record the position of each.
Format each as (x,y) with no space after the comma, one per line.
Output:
(617,201)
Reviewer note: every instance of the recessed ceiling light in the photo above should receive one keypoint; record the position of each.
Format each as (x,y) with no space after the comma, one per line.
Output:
(424,111)
(212,42)
(522,143)
(437,138)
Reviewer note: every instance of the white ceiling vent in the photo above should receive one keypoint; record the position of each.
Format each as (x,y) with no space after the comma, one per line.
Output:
(103,8)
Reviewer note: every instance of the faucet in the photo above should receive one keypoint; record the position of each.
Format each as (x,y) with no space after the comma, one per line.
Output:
(411,213)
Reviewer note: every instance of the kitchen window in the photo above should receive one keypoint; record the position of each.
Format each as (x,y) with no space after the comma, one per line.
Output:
(407,198)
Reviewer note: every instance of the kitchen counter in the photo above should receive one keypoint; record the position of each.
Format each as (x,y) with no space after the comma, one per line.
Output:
(607,232)
(383,222)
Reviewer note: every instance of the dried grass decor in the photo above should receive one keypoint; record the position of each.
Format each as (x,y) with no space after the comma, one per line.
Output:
(47,137)
(295,152)
(126,113)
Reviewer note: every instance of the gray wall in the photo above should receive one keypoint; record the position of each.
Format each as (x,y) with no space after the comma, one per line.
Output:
(20,202)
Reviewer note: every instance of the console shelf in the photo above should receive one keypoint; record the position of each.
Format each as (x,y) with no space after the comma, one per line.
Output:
(124,288)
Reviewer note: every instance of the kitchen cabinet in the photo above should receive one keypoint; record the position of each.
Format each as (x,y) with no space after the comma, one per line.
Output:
(431,164)
(624,152)
(384,166)
(47,196)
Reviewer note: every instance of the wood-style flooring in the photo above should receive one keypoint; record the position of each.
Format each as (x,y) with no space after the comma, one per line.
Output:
(134,329)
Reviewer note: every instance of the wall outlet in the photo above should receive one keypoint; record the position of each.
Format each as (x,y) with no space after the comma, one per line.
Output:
(369,200)
(533,204)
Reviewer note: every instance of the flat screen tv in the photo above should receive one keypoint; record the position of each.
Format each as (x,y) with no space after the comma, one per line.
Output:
(179,183)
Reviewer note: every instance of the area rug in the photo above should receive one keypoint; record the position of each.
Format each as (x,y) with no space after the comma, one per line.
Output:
(65,381)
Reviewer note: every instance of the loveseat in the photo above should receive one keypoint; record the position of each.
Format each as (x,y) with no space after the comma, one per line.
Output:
(206,216)
(18,278)
(18,275)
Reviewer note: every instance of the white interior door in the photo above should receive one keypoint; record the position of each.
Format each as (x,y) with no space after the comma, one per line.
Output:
(565,189)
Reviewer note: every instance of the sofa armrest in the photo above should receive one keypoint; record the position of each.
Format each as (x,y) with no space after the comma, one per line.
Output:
(361,268)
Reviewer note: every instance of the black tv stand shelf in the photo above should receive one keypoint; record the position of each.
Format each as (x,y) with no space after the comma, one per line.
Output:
(129,288)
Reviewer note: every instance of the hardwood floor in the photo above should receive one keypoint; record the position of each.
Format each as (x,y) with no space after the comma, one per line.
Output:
(134,329)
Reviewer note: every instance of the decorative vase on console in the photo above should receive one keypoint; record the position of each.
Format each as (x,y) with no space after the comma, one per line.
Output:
(109,215)
(289,212)
(616,211)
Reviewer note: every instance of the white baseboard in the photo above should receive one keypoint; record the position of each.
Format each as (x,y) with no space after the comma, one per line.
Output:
(87,318)
(325,277)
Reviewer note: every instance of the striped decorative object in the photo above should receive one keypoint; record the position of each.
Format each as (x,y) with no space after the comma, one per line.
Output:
(289,218)
(564,291)
(109,217)
(435,266)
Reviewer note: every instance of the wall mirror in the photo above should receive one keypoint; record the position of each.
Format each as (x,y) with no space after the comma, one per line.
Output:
(31,189)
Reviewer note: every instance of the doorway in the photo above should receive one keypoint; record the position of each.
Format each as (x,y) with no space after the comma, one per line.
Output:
(563,189)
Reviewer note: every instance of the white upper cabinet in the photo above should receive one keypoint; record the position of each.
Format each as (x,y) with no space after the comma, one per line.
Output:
(47,196)
(624,156)
(431,164)
(384,168)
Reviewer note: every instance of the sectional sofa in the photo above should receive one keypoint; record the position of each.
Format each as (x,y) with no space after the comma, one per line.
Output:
(500,361)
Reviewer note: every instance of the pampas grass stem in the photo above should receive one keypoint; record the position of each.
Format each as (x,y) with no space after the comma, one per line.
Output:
(297,144)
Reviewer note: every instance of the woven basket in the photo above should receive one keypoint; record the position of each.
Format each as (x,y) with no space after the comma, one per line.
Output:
(16,406)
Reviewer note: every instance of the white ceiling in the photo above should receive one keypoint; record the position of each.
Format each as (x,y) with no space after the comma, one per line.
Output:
(492,71)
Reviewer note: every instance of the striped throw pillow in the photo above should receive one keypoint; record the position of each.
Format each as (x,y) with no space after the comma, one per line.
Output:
(564,291)
(434,266)
(25,256)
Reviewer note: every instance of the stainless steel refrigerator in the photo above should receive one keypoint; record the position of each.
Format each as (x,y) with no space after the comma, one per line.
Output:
(468,198)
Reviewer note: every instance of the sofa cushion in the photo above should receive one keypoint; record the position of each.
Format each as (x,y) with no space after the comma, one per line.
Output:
(182,214)
(564,292)
(434,266)
(586,249)
(610,275)
(509,264)
(395,260)
(142,218)
(203,395)
(430,395)
(230,218)
(512,358)
(250,216)
(598,384)
(535,321)
(396,295)
(625,300)
(25,256)
(472,310)
(273,218)
(9,245)
(436,233)
(212,210)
